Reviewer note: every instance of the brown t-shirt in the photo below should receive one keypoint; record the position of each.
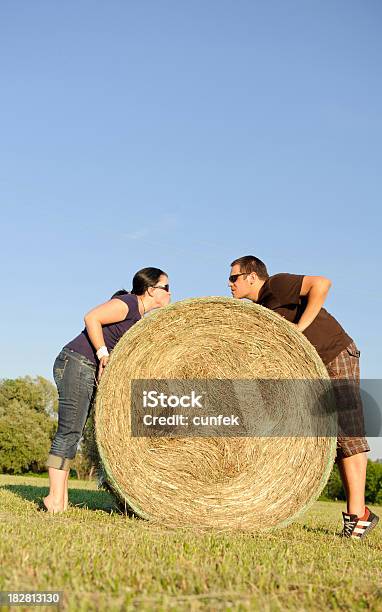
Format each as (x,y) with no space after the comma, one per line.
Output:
(281,293)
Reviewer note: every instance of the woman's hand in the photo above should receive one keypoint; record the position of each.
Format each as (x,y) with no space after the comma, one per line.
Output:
(101,365)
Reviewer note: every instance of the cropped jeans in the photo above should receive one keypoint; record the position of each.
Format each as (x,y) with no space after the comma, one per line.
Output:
(75,377)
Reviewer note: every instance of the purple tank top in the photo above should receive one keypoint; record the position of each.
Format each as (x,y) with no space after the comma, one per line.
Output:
(112,332)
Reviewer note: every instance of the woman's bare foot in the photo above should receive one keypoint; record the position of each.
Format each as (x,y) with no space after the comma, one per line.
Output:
(52,505)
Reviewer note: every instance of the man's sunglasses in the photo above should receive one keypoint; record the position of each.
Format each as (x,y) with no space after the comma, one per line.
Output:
(233,278)
(165,287)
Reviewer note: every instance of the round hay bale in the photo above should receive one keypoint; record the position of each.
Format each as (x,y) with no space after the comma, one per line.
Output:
(219,482)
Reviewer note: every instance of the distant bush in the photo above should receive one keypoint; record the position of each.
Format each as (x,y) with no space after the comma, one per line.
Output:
(87,460)
(73,474)
(373,491)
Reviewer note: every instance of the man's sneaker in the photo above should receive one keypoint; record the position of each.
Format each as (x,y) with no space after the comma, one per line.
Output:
(358,528)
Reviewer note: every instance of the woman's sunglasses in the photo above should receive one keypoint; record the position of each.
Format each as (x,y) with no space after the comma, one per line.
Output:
(233,278)
(165,287)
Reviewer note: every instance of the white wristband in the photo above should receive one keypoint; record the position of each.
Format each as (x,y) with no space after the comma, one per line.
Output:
(102,352)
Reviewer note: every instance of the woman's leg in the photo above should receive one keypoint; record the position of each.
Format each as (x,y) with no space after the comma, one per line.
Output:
(75,383)
(58,497)
(55,500)
(66,492)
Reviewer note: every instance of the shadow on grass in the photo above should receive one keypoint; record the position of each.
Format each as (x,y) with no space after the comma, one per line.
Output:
(319,530)
(80,498)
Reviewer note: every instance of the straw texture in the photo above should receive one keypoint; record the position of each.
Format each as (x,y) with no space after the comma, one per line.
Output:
(253,483)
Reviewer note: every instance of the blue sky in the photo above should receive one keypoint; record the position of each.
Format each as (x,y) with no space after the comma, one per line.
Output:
(182,135)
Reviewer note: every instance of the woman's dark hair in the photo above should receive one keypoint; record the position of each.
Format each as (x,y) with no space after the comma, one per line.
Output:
(142,280)
(120,292)
(145,278)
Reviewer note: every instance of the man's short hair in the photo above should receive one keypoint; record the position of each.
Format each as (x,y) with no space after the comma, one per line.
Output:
(250,263)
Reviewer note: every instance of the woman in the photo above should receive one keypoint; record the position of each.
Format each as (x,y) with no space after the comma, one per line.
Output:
(80,365)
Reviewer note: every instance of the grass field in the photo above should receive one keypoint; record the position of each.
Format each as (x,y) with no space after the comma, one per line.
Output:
(104,560)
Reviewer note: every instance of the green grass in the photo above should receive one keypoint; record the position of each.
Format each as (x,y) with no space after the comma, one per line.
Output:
(104,560)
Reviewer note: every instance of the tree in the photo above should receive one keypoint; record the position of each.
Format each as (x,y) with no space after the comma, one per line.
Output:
(25,438)
(373,491)
(28,411)
(37,393)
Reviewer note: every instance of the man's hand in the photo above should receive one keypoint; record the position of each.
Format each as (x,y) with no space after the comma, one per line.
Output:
(101,366)
(297,326)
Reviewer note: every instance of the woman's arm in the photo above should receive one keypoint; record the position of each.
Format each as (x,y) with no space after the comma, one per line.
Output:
(113,311)
(316,289)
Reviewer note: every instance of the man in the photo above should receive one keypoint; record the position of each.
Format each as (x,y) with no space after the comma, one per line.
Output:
(299,299)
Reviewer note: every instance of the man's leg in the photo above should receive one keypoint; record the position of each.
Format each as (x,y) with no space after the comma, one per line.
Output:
(359,520)
(352,446)
(353,474)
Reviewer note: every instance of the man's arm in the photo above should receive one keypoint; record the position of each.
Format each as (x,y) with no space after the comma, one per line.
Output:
(316,289)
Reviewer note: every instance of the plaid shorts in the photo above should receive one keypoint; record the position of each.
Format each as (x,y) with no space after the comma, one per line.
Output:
(345,369)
